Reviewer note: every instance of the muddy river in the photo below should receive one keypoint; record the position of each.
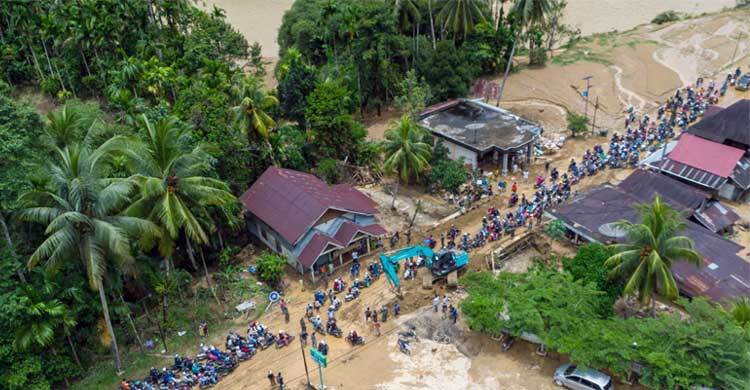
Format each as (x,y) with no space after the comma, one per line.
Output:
(258,20)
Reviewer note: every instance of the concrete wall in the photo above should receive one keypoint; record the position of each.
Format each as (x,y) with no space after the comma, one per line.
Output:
(256,227)
(456,151)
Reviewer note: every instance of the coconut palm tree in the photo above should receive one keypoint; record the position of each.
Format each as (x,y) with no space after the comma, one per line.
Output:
(252,108)
(527,13)
(80,209)
(460,16)
(405,153)
(63,126)
(174,189)
(652,246)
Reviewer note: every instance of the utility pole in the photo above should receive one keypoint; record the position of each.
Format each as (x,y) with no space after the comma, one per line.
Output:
(586,95)
(596,108)
(304,360)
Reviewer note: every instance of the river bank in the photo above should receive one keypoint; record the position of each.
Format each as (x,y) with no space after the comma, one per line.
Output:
(259,20)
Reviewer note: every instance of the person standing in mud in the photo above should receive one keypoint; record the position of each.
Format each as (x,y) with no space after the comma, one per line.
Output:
(314,340)
(442,240)
(396,309)
(368,313)
(384,313)
(435,303)
(454,314)
(271,378)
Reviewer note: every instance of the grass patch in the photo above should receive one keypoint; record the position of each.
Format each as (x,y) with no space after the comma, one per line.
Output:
(580,53)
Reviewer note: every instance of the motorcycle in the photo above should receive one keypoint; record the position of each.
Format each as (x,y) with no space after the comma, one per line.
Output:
(266,341)
(334,331)
(354,294)
(358,341)
(280,343)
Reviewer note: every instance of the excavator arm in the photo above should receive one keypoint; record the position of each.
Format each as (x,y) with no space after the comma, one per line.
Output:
(390,261)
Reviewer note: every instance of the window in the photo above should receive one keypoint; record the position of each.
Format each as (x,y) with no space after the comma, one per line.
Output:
(278,246)
(589,384)
(263,233)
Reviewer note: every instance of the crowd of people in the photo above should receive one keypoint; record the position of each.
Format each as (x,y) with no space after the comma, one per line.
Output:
(641,135)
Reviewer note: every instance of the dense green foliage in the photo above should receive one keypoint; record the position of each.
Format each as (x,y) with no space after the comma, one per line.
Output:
(707,347)
(588,266)
(449,174)
(270,267)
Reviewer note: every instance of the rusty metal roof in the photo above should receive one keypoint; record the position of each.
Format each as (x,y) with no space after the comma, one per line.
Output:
(290,201)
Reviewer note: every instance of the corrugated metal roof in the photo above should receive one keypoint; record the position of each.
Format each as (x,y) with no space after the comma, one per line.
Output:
(290,201)
(724,275)
(706,155)
(730,124)
(314,249)
(716,217)
(645,185)
(692,174)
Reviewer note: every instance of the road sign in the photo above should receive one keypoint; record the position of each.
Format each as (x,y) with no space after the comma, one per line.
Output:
(318,357)
(273,296)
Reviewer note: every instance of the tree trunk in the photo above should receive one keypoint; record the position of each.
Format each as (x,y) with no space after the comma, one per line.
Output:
(110,329)
(208,278)
(74,352)
(36,61)
(432,24)
(132,324)
(11,248)
(417,209)
(507,71)
(85,63)
(221,239)
(49,63)
(190,253)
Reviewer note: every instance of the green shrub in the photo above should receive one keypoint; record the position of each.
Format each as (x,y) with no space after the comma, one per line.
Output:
(555,229)
(328,169)
(270,267)
(588,265)
(449,175)
(666,17)
(577,123)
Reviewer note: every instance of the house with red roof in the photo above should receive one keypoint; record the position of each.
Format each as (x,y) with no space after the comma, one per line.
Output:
(312,224)
(714,153)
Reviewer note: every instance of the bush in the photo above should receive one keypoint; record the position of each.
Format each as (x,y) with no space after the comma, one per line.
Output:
(555,229)
(449,174)
(588,266)
(577,123)
(270,267)
(328,170)
(666,17)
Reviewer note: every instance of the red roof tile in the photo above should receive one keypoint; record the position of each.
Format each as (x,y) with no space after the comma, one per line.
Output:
(346,232)
(317,244)
(374,229)
(290,202)
(706,155)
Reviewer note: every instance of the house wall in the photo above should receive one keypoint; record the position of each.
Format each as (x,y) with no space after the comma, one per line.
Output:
(271,239)
(456,151)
